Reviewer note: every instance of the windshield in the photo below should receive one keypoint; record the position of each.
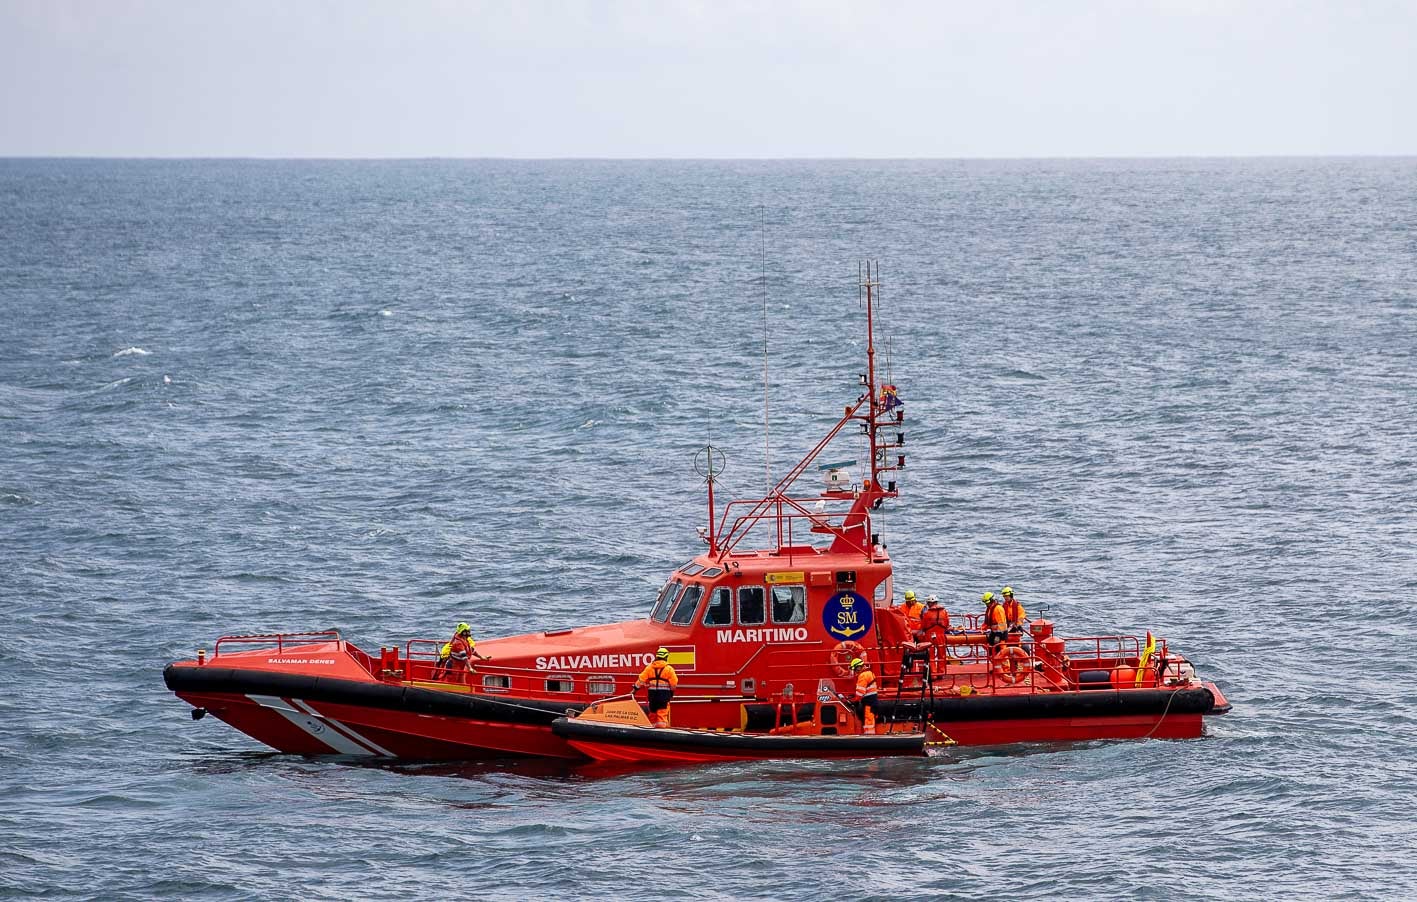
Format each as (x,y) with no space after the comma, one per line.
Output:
(789,604)
(688,605)
(666,595)
(751,610)
(720,607)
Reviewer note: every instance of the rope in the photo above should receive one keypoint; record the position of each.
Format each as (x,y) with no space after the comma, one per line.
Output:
(510,704)
(1164,712)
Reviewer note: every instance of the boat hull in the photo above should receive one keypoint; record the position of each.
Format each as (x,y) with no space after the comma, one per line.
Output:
(317,715)
(309,715)
(616,742)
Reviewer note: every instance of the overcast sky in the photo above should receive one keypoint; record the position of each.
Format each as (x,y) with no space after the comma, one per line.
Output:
(719,78)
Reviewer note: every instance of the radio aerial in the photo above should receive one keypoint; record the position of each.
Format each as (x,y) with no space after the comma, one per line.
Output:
(709,462)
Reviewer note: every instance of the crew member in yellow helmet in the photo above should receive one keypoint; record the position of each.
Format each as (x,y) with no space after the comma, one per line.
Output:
(661,679)
(455,658)
(865,695)
(912,610)
(996,622)
(1013,610)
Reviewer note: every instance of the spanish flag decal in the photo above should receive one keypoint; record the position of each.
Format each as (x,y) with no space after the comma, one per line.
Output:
(681,657)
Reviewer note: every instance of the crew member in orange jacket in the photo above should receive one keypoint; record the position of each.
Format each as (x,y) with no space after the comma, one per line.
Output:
(458,652)
(1013,611)
(911,608)
(935,627)
(934,621)
(865,695)
(661,679)
(996,622)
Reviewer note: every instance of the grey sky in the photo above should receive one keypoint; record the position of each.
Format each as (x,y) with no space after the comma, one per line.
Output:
(827,78)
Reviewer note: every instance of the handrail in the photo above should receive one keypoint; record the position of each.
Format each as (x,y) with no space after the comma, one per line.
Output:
(953,666)
(280,639)
(974,665)
(729,539)
(421,666)
(820,520)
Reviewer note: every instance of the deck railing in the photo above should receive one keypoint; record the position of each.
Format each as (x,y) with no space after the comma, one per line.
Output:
(278,641)
(953,667)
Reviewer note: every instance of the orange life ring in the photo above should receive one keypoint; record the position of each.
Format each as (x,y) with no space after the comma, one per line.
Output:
(1012,663)
(841,657)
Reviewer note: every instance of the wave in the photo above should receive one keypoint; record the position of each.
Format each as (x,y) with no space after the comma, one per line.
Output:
(132,352)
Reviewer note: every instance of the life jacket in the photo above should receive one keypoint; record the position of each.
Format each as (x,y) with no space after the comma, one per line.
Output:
(459,649)
(935,617)
(994,619)
(1014,612)
(659,675)
(865,684)
(912,610)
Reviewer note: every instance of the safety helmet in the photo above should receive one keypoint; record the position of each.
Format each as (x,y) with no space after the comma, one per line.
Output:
(1009,591)
(932,599)
(662,654)
(909,594)
(987,597)
(857,663)
(462,628)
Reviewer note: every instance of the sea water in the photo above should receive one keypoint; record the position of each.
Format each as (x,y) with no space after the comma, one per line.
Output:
(1166,395)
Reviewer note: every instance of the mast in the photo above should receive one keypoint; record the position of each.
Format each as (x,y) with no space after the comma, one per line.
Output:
(881,402)
(873,410)
(870,286)
(709,462)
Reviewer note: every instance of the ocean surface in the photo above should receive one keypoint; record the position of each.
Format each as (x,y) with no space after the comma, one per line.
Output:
(1167,395)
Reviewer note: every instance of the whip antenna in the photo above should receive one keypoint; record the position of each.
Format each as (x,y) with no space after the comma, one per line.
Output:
(767,446)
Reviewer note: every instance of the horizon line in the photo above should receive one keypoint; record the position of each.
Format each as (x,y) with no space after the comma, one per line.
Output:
(697,159)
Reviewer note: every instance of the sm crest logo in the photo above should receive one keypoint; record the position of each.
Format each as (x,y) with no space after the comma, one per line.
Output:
(847,615)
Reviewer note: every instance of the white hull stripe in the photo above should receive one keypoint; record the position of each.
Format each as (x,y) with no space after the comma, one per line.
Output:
(344,728)
(338,736)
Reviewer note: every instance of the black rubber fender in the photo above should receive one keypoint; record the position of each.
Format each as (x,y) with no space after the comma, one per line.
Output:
(210,679)
(734,741)
(1090,703)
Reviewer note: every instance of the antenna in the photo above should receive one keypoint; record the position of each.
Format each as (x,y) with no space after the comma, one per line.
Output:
(870,286)
(767,445)
(708,463)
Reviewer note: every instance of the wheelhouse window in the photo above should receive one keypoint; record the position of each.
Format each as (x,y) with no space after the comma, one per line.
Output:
(691,568)
(751,607)
(602,684)
(688,605)
(712,571)
(560,683)
(666,595)
(720,607)
(789,604)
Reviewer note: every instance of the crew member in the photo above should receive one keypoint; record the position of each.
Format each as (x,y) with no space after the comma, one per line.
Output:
(661,679)
(915,661)
(458,652)
(865,695)
(1013,610)
(935,627)
(911,608)
(996,622)
(934,621)
(890,400)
